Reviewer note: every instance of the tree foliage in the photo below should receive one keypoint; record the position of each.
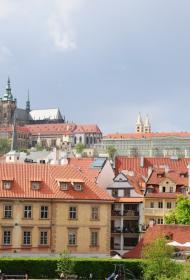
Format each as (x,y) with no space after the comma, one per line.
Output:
(111,150)
(5,145)
(79,148)
(181,213)
(65,265)
(159,263)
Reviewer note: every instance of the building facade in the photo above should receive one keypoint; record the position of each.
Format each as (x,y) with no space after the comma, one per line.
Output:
(49,209)
(127,212)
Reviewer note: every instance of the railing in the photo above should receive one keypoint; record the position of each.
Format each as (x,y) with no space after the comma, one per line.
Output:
(128,213)
(125,229)
(155,211)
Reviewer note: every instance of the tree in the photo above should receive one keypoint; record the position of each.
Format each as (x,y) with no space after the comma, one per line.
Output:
(181,213)
(79,148)
(111,150)
(5,146)
(65,265)
(159,264)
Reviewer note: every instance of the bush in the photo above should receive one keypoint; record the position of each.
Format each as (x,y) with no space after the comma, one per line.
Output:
(46,268)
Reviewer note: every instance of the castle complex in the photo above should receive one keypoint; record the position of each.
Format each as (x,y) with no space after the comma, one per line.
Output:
(9,112)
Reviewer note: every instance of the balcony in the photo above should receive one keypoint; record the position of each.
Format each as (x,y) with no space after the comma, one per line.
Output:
(156,211)
(116,213)
(126,230)
(131,213)
(116,230)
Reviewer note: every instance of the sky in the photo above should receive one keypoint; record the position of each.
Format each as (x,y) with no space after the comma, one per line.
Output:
(100,61)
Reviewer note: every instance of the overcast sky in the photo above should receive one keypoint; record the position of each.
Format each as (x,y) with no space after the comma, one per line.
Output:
(100,61)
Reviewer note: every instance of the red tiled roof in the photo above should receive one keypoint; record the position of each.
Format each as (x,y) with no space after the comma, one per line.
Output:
(62,128)
(57,128)
(18,129)
(85,128)
(173,175)
(24,173)
(133,164)
(146,135)
(179,233)
(84,165)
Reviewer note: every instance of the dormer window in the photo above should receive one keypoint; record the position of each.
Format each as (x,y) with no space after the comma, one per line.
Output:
(35,185)
(7,185)
(78,187)
(63,186)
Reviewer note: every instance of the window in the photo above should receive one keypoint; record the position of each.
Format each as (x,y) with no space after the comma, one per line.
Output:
(160,204)
(171,189)
(72,213)
(77,187)
(26,237)
(169,205)
(43,237)
(6,237)
(95,213)
(127,192)
(94,239)
(44,212)
(63,186)
(28,212)
(115,192)
(72,237)
(160,221)
(35,185)
(163,189)
(7,211)
(6,185)
(152,205)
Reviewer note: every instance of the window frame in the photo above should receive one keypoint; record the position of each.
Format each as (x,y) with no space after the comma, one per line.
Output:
(44,212)
(43,238)
(25,211)
(7,210)
(72,212)
(3,236)
(94,233)
(25,238)
(72,237)
(95,216)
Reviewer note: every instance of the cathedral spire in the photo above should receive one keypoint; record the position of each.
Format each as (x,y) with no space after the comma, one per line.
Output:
(8,94)
(28,103)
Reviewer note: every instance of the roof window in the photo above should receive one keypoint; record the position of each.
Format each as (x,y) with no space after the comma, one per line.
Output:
(7,184)
(35,185)
(78,186)
(63,186)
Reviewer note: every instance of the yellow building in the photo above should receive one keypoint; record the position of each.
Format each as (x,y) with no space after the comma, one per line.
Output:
(48,209)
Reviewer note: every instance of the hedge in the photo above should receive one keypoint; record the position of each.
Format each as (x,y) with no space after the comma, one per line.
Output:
(45,268)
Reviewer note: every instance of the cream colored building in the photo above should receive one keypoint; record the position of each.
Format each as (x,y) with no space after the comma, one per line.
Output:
(49,209)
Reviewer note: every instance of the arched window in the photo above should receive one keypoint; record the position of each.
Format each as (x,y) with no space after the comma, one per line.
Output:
(75,140)
(80,139)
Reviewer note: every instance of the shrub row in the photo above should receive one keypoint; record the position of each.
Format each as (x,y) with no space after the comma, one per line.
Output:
(45,268)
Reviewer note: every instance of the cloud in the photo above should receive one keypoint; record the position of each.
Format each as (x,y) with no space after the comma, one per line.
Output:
(60,24)
(5,53)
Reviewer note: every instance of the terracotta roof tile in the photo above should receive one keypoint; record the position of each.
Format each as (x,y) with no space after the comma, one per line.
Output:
(24,173)
(179,233)
(133,164)
(146,135)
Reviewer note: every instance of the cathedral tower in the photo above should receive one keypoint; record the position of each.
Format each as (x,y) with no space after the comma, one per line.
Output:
(139,124)
(7,106)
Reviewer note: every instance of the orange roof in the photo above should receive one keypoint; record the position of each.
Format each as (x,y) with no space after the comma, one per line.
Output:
(146,135)
(133,164)
(24,173)
(129,199)
(173,175)
(62,128)
(179,233)
(85,166)
(19,129)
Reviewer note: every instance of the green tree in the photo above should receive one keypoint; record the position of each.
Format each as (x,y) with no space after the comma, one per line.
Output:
(65,265)
(158,261)
(79,148)
(111,150)
(5,146)
(181,213)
